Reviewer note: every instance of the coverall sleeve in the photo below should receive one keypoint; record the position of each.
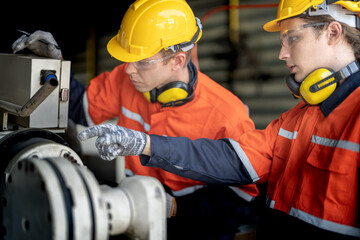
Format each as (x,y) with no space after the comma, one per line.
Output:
(225,161)
(76,110)
(205,160)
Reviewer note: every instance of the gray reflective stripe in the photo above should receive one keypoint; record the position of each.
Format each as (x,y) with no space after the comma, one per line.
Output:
(325,224)
(245,160)
(86,110)
(336,143)
(286,134)
(269,202)
(135,117)
(192,189)
(244,195)
(186,191)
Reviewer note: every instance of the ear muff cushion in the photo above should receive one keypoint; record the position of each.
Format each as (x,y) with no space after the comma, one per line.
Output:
(172,95)
(293,85)
(307,87)
(172,92)
(147,95)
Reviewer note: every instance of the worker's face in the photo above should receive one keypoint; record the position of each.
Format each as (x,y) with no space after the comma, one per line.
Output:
(150,73)
(302,49)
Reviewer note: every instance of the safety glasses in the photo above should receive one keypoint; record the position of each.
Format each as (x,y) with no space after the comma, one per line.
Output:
(291,36)
(144,65)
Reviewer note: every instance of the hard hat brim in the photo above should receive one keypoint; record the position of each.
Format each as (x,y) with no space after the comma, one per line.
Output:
(121,54)
(272,26)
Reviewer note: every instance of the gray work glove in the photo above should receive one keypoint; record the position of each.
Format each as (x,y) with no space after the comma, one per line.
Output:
(114,140)
(46,48)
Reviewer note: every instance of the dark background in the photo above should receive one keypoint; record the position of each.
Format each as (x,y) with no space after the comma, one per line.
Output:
(71,23)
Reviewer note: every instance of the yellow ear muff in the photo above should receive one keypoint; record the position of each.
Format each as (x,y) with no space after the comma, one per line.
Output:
(147,95)
(316,88)
(172,94)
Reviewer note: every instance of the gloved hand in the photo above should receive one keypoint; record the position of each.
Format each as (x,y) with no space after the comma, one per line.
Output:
(33,43)
(114,140)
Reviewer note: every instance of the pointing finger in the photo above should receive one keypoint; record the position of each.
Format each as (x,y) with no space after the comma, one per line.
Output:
(91,132)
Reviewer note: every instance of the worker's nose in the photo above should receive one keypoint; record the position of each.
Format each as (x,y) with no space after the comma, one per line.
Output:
(284,53)
(131,69)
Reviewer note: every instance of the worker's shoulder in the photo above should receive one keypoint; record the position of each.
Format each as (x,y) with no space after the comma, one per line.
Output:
(220,99)
(214,92)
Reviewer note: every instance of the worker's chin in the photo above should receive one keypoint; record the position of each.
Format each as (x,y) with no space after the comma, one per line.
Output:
(298,78)
(141,89)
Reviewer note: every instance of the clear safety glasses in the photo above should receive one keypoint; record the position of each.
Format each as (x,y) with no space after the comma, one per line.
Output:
(290,36)
(144,65)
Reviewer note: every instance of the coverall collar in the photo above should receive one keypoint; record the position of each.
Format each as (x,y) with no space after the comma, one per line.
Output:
(340,94)
(192,77)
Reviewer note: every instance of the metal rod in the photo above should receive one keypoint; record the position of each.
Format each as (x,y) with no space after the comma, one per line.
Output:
(33,102)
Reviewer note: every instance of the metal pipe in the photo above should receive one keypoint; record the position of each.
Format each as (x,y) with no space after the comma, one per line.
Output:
(33,102)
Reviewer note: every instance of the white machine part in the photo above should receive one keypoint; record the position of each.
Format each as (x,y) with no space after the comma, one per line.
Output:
(52,198)
(21,77)
(46,190)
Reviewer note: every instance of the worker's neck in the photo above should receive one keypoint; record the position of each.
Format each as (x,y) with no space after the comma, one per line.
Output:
(181,75)
(184,75)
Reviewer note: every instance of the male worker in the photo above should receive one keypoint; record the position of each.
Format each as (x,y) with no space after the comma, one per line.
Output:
(310,156)
(159,91)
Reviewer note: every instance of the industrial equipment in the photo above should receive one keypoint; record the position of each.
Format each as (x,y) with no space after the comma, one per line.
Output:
(47,191)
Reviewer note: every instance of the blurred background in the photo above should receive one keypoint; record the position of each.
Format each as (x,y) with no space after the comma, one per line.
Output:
(234,50)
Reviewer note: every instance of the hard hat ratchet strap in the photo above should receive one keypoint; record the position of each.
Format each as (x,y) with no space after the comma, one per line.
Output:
(336,11)
(186,46)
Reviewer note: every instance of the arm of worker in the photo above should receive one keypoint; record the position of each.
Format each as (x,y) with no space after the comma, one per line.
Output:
(76,102)
(205,160)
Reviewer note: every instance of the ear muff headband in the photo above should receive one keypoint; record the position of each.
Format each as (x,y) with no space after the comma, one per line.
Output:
(172,94)
(320,83)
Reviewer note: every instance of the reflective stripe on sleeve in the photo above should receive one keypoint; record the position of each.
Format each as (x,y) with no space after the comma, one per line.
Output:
(269,202)
(86,110)
(242,194)
(287,134)
(245,160)
(325,224)
(136,117)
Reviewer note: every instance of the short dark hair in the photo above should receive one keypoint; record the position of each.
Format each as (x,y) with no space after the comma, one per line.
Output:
(351,34)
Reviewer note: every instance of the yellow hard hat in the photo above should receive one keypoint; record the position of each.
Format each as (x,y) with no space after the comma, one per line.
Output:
(151,25)
(292,8)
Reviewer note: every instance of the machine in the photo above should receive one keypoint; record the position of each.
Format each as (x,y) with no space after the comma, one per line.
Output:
(47,190)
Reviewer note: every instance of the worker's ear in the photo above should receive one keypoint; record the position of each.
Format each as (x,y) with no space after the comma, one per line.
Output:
(178,61)
(334,33)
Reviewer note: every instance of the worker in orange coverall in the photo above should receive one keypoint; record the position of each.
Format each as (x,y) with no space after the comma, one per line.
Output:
(158,90)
